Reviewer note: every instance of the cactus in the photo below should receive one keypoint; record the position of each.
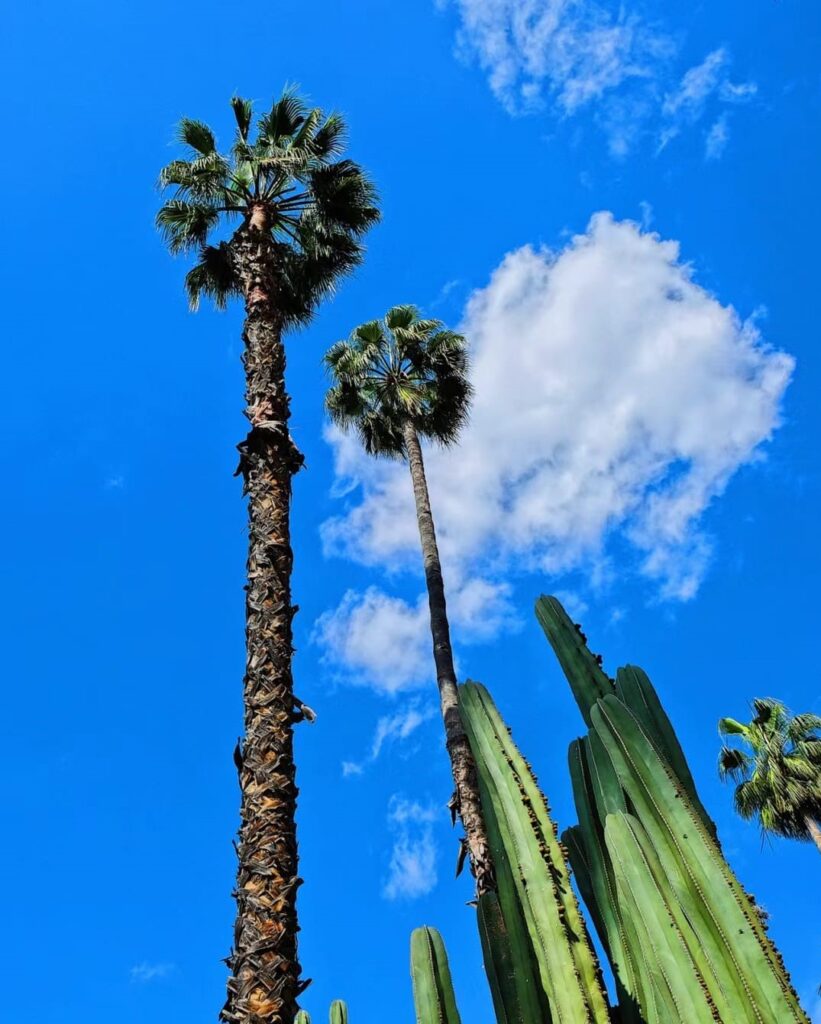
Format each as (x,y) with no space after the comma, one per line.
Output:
(583,669)
(432,985)
(546,934)
(339,1012)
(302,1017)
(685,940)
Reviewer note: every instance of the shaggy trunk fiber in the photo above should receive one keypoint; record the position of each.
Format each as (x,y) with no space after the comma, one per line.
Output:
(815,831)
(464,769)
(265,980)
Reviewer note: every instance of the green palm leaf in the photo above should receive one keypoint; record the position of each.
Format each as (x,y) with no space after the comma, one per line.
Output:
(316,206)
(400,370)
(778,771)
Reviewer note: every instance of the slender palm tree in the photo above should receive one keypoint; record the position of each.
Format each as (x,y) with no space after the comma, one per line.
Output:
(274,222)
(395,381)
(779,780)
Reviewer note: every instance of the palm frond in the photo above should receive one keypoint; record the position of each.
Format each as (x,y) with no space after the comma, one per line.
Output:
(330,138)
(213,276)
(733,764)
(344,197)
(284,118)
(803,726)
(243,114)
(318,207)
(185,226)
(780,776)
(731,727)
(197,136)
(402,372)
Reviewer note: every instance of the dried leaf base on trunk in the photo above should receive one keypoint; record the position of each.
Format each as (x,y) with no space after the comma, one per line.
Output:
(265,980)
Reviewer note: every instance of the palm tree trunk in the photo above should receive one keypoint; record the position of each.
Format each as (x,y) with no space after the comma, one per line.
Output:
(265,981)
(814,830)
(461,758)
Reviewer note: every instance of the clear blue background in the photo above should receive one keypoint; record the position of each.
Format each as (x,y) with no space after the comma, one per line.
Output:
(123,528)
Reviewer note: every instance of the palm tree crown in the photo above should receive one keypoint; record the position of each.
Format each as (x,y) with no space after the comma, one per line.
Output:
(399,370)
(285,179)
(779,780)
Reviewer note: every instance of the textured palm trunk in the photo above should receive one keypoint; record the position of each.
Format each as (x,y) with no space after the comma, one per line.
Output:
(461,758)
(265,981)
(814,830)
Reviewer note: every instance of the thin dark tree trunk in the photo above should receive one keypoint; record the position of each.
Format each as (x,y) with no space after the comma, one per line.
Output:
(814,830)
(461,758)
(265,981)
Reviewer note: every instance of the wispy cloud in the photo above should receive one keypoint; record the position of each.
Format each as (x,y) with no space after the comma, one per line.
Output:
(145,972)
(687,104)
(412,870)
(570,51)
(585,55)
(717,138)
(631,398)
(377,640)
(394,728)
(381,641)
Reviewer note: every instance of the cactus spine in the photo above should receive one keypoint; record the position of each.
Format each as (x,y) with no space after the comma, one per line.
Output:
(685,940)
(539,929)
(433,994)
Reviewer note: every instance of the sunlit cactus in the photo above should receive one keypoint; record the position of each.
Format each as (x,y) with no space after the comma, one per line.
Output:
(433,994)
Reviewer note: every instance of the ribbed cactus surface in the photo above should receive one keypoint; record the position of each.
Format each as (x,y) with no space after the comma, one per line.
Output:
(539,960)
(338,1013)
(433,994)
(684,939)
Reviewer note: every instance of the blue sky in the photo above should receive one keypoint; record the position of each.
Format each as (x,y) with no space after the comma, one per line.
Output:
(620,209)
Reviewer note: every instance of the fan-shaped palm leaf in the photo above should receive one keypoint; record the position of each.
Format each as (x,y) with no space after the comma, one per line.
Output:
(778,775)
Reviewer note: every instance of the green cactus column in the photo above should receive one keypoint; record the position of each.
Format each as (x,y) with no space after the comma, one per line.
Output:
(685,940)
(338,1013)
(555,975)
(433,994)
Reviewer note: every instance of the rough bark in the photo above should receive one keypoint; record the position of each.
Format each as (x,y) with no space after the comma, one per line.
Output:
(814,830)
(468,804)
(265,981)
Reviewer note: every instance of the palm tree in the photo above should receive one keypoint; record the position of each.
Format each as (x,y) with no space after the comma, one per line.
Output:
(292,214)
(397,380)
(779,781)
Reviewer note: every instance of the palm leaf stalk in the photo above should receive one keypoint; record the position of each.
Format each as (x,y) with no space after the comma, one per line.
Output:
(274,222)
(779,779)
(397,380)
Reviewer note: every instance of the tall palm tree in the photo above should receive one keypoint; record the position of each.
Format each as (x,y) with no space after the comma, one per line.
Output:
(397,380)
(779,780)
(291,214)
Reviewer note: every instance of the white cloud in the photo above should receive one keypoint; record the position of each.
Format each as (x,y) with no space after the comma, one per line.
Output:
(696,85)
(400,725)
(393,728)
(615,397)
(384,642)
(717,138)
(412,870)
(572,50)
(687,103)
(144,972)
(587,54)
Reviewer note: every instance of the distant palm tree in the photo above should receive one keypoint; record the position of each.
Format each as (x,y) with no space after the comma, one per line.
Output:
(396,380)
(779,780)
(295,214)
